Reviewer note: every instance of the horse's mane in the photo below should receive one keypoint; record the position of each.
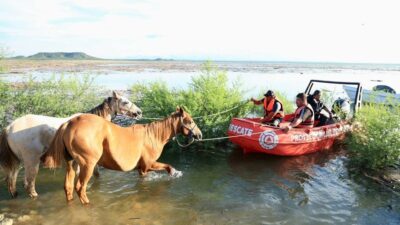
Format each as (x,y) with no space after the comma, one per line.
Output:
(161,128)
(102,110)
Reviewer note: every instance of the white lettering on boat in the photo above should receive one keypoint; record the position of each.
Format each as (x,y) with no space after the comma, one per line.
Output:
(240,130)
(318,135)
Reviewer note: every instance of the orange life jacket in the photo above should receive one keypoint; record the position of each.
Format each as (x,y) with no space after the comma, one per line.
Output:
(269,107)
(309,122)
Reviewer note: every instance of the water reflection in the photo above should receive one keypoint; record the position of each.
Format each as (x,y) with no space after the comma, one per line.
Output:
(219,186)
(287,173)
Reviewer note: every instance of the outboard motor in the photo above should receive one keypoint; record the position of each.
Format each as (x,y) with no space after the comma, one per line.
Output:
(341,108)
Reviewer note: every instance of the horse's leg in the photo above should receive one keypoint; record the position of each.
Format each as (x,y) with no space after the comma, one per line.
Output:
(96,171)
(142,172)
(12,181)
(84,177)
(156,166)
(69,179)
(31,170)
(143,167)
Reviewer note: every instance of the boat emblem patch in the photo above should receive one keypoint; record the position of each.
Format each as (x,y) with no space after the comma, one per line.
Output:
(268,140)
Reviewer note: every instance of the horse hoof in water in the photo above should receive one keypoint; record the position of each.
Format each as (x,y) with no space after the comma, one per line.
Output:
(14,195)
(175,173)
(33,195)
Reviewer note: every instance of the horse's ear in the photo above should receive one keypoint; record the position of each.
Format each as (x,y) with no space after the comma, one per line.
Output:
(179,110)
(116,95)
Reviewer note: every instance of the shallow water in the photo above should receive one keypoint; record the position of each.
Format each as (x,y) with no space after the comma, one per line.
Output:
(217,187)
(221,186)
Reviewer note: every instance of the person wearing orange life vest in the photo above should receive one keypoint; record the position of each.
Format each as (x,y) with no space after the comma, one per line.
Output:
(304,115)
(273,108)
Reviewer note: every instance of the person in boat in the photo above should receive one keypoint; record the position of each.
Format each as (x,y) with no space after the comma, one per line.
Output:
(303,116)
(319,107)
(273,108)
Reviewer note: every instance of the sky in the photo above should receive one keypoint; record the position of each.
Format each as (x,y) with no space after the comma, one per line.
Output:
(265,30)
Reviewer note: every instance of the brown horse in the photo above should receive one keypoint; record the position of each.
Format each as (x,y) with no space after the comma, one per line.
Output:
(91,140)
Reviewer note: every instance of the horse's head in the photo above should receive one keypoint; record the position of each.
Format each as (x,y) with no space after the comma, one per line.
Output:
(187,125)
(123,106)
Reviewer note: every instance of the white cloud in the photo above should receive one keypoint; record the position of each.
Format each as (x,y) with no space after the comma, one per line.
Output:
(318,30)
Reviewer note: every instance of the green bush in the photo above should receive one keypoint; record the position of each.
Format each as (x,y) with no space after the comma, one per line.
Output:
(288,105)
(2,56)
(53,97)
(375,141)
(207,94)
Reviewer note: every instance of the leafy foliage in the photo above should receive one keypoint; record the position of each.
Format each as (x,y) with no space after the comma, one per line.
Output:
(3,54)
(53,97)
(375,141)
(208,93)
(288,105)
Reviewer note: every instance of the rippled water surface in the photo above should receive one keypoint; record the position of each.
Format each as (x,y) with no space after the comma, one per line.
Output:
(217,187)
(220,186)
(288,80)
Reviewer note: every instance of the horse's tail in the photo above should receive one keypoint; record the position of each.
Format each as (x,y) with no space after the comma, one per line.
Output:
(8,160)
(57,152)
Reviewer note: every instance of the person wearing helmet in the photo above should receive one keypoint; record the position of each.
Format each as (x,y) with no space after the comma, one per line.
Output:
(273,108)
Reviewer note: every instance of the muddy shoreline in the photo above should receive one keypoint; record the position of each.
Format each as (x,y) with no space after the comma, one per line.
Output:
(21,66)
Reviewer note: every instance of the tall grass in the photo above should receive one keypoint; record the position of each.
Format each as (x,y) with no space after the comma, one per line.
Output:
(58,97)
(208,93)
(3,54)
(374,143)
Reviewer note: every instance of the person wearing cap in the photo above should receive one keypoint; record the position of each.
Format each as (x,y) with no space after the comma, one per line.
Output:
(318,106)
(273,108)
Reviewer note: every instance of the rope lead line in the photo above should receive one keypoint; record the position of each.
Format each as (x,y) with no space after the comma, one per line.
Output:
(227,137)
(182,145)
(212,139)
(204,116)
(201,117)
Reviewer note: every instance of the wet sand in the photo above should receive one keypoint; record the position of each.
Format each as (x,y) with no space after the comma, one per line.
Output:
(18,66)
(23,66)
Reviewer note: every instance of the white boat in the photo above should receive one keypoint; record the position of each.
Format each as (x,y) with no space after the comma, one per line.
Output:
(383,94)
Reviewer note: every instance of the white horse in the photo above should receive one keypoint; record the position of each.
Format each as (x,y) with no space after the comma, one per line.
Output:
(28,137)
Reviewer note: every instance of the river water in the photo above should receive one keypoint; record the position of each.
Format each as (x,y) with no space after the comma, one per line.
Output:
(220,185)
(287,78)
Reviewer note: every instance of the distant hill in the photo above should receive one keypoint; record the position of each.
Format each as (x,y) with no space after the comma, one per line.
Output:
(58,55)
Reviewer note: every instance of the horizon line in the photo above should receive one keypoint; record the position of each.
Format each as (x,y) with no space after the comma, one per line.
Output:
(198,60)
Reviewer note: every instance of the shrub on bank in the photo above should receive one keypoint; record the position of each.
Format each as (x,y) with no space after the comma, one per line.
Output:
(375,141)
(2,56)
(207,94)
(53,97)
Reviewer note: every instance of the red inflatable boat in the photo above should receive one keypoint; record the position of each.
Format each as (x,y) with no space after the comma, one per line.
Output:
(252,136)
